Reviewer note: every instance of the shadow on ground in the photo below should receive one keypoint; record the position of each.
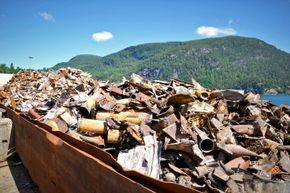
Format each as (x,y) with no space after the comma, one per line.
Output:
(14,177)
(21,176)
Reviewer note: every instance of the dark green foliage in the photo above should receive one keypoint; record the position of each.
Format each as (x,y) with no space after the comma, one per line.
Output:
(8,70)
(228,62)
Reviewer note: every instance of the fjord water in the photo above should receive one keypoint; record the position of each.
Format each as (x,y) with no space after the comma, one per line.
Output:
(277,99)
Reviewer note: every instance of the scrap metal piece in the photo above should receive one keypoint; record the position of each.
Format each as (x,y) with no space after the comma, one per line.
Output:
(170,177)
(86,108)
(57,125)
(220,174)
(206,144)
(179,99)
(202,94)
(203,170)
(251,98)
(33,114)
(70,120)
(225,135)
(216,123)
(237,150)
(229,94)
(143,158)
(176,169)
(113,136)
(253,111)
(233,185)
(201,107)
(239,162)
(285,161)
(244,129)
(135,132)
(97,140)
(132,117)
(92,126)
(172,131)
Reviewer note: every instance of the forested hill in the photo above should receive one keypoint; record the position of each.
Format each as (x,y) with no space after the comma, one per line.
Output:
(227,62)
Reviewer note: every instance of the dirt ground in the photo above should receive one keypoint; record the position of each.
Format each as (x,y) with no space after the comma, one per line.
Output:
(14,177)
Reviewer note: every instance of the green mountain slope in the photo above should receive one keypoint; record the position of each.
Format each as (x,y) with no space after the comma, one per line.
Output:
(227,62)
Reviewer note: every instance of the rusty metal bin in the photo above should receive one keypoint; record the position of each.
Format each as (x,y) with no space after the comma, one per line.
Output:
(60,163)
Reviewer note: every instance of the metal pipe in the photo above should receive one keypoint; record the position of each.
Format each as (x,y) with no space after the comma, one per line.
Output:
(204,95)
(113,136)
(93,126)
(132,117)
(205,144)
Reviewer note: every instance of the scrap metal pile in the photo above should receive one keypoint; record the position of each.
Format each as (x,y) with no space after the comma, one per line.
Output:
(211,140)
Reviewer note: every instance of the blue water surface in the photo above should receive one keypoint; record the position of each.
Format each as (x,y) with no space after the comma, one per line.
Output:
(277,99)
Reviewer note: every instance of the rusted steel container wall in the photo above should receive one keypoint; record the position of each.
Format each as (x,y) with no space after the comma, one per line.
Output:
(56,166)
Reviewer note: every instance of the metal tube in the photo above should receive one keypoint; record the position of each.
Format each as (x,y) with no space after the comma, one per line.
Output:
(204,95)
(113,136)
(132,117)
(205,144)
(93,126)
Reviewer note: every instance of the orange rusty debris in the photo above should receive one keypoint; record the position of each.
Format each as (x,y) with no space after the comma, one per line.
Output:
(176,131)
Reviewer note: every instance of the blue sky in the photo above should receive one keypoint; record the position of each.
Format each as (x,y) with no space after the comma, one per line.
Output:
(54,31)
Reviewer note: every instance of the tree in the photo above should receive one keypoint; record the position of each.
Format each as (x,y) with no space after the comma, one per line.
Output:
(12,67)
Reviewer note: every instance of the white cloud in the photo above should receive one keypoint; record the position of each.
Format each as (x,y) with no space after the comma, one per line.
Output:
(102,36)
(210,31)
(46,16)
(230,21)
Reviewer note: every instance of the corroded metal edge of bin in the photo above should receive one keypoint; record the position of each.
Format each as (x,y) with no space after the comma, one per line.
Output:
(59,163)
